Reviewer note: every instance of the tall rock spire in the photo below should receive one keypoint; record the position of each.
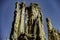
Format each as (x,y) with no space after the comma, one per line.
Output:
(32,28)
(49,24)
(28,24)
(34,22)
(14,32)
(22,13)
(52,32)
(41,25)
(18,24)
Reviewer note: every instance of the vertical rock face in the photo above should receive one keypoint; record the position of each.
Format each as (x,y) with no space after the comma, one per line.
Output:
(35,21)
(32,28)
(28,24)
(21,23)
(16,23)
(52,33)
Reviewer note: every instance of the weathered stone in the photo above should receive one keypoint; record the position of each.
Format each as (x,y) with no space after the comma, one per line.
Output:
(52,32)
(28,24)
(34,22)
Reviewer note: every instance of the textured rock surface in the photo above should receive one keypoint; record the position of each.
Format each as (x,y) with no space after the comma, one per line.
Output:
(28,24)
(52,32)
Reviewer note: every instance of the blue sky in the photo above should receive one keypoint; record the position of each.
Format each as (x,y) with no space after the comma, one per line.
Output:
(50,8)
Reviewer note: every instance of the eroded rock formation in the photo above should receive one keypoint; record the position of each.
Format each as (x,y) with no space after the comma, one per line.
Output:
(28,24)
(53,34)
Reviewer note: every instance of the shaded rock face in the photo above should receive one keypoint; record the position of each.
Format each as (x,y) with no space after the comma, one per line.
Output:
(28,24)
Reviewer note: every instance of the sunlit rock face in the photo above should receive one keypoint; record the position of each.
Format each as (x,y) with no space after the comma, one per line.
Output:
(32,28)
(53,34)
(28,24)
